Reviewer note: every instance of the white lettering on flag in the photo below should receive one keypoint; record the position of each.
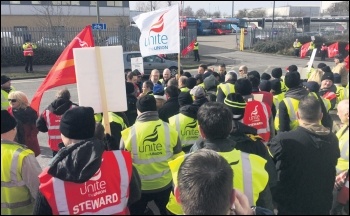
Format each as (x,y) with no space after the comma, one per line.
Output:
(159,31)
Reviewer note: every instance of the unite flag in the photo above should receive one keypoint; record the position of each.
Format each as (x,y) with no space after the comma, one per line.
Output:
(63,71)
(188,49)
(303,50)
(160,31)
(333,50)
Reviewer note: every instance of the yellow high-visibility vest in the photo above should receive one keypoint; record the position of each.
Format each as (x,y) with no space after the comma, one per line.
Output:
(15,195)
(246,168)
(343,161)
(151,145)
(186,127)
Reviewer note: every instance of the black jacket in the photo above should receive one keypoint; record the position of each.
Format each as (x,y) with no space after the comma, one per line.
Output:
(78,163)
(170,108)
(284,120)
(305,162)
(227,145)
(58,107)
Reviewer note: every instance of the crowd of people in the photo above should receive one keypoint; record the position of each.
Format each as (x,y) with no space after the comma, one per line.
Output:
(222,142)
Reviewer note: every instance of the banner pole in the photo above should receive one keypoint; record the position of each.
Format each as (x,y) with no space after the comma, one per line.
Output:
(102,91)
(179,54)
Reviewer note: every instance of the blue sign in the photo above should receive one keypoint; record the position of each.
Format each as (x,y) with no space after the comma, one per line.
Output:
(99,26)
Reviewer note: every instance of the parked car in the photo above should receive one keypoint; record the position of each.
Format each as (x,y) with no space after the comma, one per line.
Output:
(150,63)
(46,41)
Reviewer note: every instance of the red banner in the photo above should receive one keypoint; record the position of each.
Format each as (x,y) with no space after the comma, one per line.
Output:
(347,47)
(188,49)
(333,50)
(63,71)
(303,50)
(346,60)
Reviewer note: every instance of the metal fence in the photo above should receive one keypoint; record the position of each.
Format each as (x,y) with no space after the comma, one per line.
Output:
(127,36)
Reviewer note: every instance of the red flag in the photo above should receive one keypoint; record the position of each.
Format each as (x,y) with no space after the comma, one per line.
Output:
(347,47)
(346,60)
(329,95)
(303,50)
(333,50)
(63,71)
(188,49)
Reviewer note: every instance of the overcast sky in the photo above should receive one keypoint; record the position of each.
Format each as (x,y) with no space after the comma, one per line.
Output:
(226,6)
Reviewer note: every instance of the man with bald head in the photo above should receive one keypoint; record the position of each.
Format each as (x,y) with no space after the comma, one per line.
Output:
(166,77)
(243,71)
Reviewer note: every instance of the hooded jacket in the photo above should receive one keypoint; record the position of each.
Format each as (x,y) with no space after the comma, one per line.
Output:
(78,163)
(284,120)
(57,107)
(305,160)
(27,133)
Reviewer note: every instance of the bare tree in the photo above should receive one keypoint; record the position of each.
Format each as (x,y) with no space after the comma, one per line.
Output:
(339,8)
(188,11)
(169,3)
(201,13)
(242,13)
(149,5)
(54,17)
(216,14)
(257,13)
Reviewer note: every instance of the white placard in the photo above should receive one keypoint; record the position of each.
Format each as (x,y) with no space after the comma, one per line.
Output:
(88,78)
(312,58)
(137,63)
(312,38)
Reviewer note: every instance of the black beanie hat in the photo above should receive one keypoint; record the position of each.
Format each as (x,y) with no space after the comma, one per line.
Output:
(265,85)
(328,76)
(8,122)
(276,85)
(276,73)
(185,98)
(191,82)
(292,68)
(312,86)
(243,87)
(78,123)
(321,65)
(254,73)
(236,104)
(327,69)
(265,76)
(292,79)
(337,78)
(146,103)
(187,74)
(129,88)
(4,79)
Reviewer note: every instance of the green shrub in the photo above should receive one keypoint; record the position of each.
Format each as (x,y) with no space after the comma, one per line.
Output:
(13,56)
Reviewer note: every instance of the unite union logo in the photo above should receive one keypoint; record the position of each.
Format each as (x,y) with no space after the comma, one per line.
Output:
(159,25)
(81,42)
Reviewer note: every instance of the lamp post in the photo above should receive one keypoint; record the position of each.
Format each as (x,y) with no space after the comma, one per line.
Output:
(273,18)
(98,21)
(233,9)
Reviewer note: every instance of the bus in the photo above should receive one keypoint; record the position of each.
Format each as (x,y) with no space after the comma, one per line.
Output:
(188,22)
(221,26)
(204,27)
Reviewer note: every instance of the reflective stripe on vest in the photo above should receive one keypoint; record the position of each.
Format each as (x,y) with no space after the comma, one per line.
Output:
(343,137)
(15,195)
(227,88)
(53,126)
(61,197)
(134,151)
(13,172)
(244,172)
(187,137)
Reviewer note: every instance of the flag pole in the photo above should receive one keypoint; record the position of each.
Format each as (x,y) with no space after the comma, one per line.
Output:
(179,54)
